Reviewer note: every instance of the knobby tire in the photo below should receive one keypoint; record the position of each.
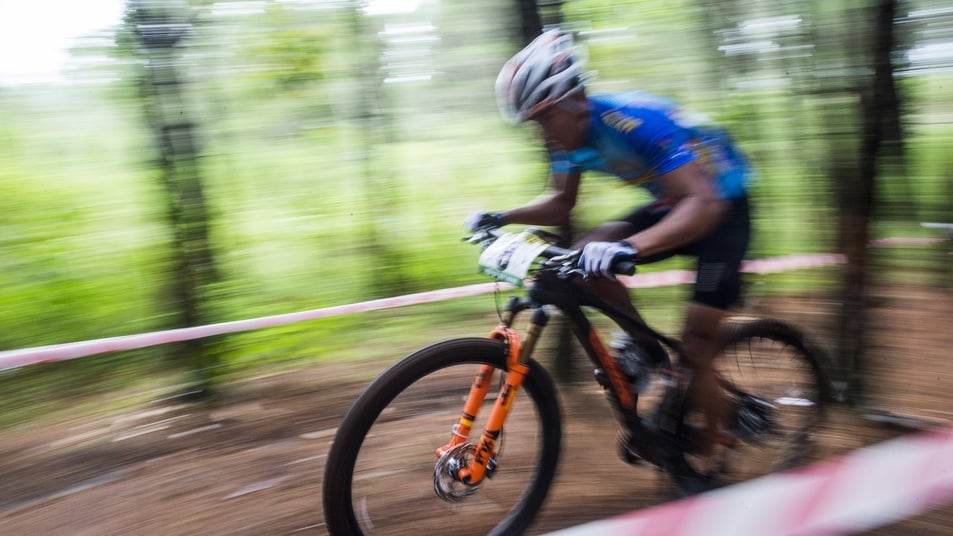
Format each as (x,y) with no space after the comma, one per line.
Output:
(342,513)
(774,361)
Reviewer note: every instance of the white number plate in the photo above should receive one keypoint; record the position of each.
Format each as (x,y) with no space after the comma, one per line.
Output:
(510,257)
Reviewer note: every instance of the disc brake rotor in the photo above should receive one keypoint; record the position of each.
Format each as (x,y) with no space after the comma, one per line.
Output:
(446,483)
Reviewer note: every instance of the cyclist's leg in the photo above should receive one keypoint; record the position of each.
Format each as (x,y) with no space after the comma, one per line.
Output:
(700,344)
(717,289)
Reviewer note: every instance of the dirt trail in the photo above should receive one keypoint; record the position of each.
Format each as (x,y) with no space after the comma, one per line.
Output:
(252,462)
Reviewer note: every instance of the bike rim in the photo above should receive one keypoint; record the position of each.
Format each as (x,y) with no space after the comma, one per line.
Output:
(774,403)
(392,489)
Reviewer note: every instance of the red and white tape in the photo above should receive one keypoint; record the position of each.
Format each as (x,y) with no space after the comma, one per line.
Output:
(908,241)
(877,485)
(868,488)
(791,262)
(60,352)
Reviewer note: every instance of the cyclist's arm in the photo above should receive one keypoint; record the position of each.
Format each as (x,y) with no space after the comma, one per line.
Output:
(697,211)
(553,209)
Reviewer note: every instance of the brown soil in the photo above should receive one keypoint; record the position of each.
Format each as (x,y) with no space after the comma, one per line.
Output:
(251,462)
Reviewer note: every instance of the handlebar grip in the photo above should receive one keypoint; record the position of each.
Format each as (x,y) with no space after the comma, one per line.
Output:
(624,268)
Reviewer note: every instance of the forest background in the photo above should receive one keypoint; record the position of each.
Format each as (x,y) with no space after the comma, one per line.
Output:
(251,158)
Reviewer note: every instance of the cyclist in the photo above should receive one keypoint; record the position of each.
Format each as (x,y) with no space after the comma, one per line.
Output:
(697,178)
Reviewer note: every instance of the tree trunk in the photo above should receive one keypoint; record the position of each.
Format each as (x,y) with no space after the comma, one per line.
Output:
(160,30)
(880,108)
(529,23)
(531,17)
(381,198)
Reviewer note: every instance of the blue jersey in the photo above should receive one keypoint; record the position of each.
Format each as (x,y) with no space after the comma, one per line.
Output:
(638,137)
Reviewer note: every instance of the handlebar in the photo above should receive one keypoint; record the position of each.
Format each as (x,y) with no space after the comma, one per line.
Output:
(556,256)
(624,267)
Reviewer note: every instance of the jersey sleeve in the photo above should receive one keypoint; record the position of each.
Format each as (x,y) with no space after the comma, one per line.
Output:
(578,160)
(559,162)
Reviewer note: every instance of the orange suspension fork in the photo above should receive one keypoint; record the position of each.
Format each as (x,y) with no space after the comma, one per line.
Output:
(518,355)
(461,431)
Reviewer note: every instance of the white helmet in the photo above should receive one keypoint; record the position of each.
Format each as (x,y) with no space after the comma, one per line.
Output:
(540,75)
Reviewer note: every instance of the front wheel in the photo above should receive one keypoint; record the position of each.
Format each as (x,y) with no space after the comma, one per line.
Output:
(774,382)
(380,472)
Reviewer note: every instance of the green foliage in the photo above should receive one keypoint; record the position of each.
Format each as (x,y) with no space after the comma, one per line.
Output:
(307,179)
(290,51)
(66,267)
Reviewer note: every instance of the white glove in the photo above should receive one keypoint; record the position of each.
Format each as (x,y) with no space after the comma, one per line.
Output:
(598,257)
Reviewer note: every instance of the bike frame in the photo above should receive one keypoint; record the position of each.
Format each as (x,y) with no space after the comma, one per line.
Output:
(547,289)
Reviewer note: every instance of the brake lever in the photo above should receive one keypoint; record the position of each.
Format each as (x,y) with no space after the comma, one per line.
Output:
(567,272)
(572,256)
(565,265)
(478,237)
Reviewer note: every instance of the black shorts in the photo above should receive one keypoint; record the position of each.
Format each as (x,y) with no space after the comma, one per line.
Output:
(719,253)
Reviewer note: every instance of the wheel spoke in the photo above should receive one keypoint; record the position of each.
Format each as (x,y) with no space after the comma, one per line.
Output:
(776,396)
(397,483)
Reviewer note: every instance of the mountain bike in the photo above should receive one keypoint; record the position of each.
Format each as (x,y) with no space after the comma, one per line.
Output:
(433,445)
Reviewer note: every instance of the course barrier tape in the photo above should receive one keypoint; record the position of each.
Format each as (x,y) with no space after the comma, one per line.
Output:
(59,352)
(868,488)
(907,241)
(872,487)
(10,359)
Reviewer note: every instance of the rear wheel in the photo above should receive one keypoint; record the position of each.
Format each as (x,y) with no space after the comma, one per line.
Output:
(380,473)
(776,391)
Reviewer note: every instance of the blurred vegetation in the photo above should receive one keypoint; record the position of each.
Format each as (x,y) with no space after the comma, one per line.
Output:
(340,145)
